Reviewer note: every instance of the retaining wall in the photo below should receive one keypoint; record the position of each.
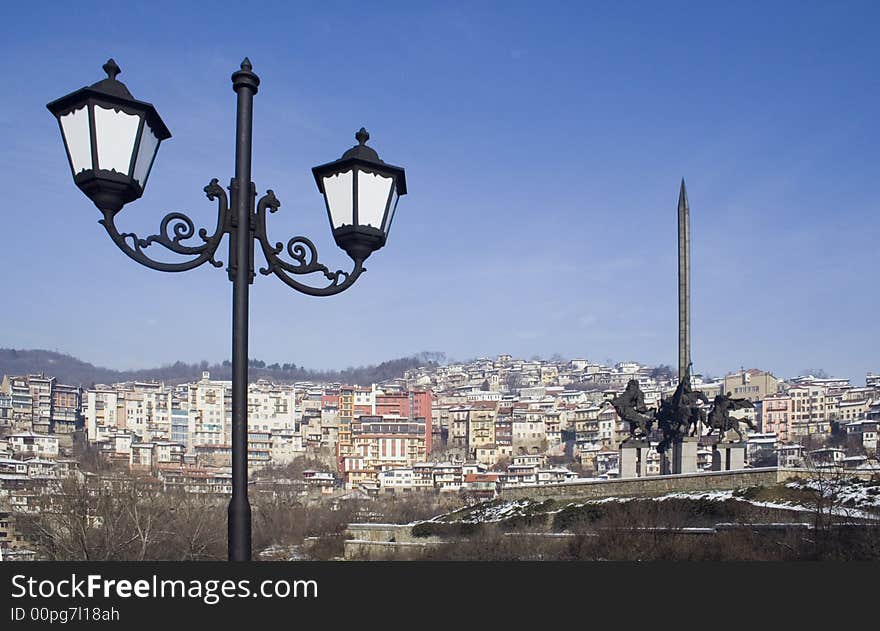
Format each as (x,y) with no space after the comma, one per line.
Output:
(396,541)
(661,484)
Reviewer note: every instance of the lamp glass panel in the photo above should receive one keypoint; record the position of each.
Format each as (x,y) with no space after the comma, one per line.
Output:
(372,197)
(339,194)
(146,154)
(75,126)
(391,208)
(116,133)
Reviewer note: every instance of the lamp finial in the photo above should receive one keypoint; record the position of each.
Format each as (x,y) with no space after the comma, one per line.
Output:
(112,69)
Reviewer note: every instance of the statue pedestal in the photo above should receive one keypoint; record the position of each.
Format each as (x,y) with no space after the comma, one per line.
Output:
(681,457)
(728,456)
(634,458)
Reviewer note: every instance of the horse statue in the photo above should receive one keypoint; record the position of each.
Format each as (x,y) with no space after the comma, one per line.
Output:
(680,415)
(630,406)
(719,417)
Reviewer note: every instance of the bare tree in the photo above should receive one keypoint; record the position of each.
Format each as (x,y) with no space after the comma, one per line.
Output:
(124,518)
(826,481)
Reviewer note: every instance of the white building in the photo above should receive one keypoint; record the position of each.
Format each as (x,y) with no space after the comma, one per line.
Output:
(865,432)
(32,444)
(397,479)
(287,444)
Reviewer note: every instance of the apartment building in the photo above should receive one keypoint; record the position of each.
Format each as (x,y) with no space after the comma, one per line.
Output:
(410,404)
(458,426)
(808,415)
(776,415)
(388,442)
(354,401)
(751,384)
(99,412)
(481,419)
(6,416)
(586,425)
(864,433)
(212,400)
(271,407)
(65,413)
(25,444)
(529,433)
(852,410)
(40,404)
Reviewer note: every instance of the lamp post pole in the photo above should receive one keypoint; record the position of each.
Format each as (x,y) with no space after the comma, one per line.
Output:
(111,141)
(245,83)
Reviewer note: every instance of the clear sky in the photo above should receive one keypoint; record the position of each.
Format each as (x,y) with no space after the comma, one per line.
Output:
(543,144)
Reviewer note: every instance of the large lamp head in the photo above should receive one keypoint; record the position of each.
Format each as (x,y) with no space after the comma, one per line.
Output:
(111,140)
(361,194)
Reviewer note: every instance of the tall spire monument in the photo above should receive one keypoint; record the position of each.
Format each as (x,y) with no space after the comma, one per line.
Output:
(684,283)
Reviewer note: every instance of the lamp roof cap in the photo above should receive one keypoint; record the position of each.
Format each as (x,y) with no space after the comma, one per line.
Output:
(111,85)
(361,150)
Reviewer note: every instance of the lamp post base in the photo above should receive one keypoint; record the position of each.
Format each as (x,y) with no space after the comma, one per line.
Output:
(239,516)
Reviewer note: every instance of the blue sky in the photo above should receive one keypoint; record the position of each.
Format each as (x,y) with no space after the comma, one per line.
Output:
(543,143)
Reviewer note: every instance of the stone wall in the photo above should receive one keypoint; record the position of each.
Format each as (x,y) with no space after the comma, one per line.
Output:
(359,550)
(386,542)
(396,541)
(385,533)
(654,485)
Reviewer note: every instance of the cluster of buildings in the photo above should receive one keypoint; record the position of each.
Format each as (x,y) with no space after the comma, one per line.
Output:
(469,477)
(46,406)
(156,428)
(471,426)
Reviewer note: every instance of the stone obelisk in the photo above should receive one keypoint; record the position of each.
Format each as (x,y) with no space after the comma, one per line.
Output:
(684,282)
(682,458)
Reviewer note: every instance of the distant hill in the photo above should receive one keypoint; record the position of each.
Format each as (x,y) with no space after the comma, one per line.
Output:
(70,370)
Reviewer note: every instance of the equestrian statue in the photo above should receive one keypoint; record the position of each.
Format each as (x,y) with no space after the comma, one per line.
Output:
(681,414)
(720,419)
(630,406)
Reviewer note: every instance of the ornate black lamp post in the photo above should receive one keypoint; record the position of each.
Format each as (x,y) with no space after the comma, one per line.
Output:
(111,141)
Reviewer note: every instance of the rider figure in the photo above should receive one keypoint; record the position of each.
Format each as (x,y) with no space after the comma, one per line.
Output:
(719,417)
(630,406)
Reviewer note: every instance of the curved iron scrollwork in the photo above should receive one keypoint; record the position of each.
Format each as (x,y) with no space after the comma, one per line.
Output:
(304,255)
(176,228)
(181,229)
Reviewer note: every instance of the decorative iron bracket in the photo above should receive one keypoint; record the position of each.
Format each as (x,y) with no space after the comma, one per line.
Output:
(176,227)
(181,229)
(304,255)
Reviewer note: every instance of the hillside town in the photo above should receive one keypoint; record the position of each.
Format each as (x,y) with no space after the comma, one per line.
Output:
(433,427)
(470,429)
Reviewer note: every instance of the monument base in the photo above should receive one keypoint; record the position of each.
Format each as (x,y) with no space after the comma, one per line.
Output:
(728,456)
(634,458)
(681,457)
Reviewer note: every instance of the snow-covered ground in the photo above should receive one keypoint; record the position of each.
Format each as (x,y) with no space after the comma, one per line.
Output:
(852,492)
(852,498)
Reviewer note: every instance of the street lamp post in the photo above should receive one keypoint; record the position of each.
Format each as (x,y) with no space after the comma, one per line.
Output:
(111,141)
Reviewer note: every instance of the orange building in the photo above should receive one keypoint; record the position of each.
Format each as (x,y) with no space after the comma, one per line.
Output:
(416,404)
(384,442)
(776,416)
